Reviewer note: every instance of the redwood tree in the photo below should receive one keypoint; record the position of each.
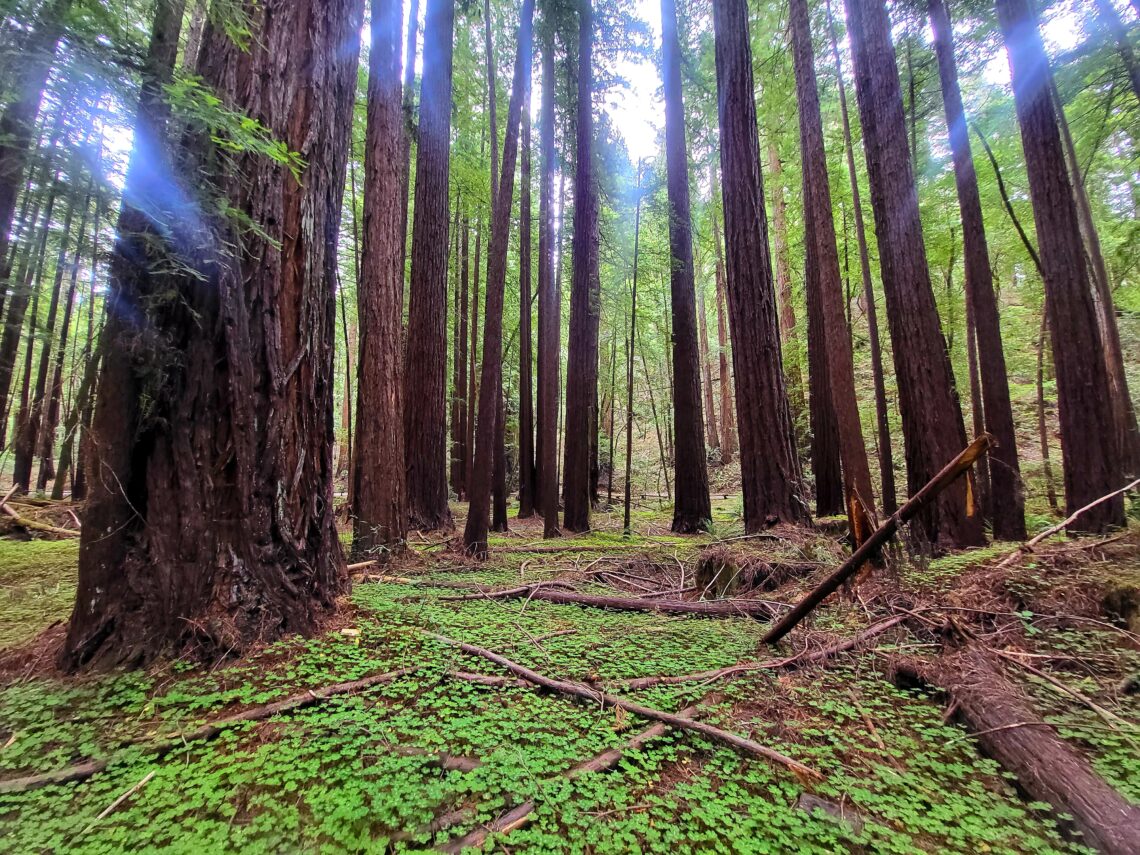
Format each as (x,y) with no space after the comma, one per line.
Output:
(425,380)
(858,492)
(210,521)
(379,513)
(1006,497)
(582,363)
(692,510)
(490,384)
(933,431)
(1088,438)
(528,482)
(769,472)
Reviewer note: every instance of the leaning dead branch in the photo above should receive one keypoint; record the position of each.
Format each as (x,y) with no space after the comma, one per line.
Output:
(581,690)
(160,747)
(882,534)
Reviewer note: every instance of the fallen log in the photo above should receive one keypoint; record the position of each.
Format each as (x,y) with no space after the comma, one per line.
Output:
(581,690)
(759,609)
(519,815)
(1047,767)
(35,525)
(881,535)
(161,747)
(789,662)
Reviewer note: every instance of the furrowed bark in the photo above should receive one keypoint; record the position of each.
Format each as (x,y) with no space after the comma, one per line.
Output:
(549,310)
(528,481)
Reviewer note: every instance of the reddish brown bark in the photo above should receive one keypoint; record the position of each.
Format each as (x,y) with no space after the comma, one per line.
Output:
(707,372)
(1005,498)
(528,483)
(727,405)
(582,363)
(379,512)
(858,492)
(461,371)
(771,479)
(472,360)
(933,430)
(1088,438)
(239,418)
(425,380)
(409,105)
(549,310)
(489,429)
(692,510)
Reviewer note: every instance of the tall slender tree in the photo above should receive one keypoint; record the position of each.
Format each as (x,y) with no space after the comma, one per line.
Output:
(727,406)
(582,365)
(528,482)
(858,493)
(227,389)
(933,430)
(491,382)
(707,372)
(769,472)
(425,380)
(692,510)
(1088,438)
(379,513)
(549,306)
(1005,499)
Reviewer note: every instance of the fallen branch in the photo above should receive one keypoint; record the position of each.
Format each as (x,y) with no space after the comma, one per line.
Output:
(790,662)
(1052,530)
(759,609)
(35,525)
(581,690)
(569,547)
(519,815)
(160,747)
(881,535)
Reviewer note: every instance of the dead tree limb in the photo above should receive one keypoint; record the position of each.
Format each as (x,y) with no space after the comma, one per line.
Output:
(1047,767)
(24,522)
(758,609)
(1052,530)
(882,534)
(581,690)
(160,747)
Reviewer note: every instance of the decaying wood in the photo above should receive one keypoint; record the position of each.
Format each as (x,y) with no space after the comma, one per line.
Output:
(519,815)
(799,660)
(35,525)
(581,690)
(759,609)
(159,747)
(1047,768)
(882,534)
(1052,530)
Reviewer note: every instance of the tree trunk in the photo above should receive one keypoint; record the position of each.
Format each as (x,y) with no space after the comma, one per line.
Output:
(1006,499)
(18,121)
(462,391)
(1088,439)
(627,526)
(977,413)
(933,430)
(210,523)
(769,471)
(692,510)
(1042,427)
(727,406)
(472,361)
(499,520)
(409,103)
(379,510)
(489,45)
(455,421)
(858,494)
(491,414)
(528,482)
(883,433)
(581,369)
(707,371)
(549,310)
(425,381)
(789,334)
(194,35)
(1111,21)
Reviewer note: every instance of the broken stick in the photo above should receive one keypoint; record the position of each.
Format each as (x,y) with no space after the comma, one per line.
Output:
(581,690)
(882,534)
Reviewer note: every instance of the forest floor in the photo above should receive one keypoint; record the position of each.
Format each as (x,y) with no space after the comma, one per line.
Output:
(430,756)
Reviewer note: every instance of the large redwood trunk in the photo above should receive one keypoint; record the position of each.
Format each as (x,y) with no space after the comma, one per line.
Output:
(489,428)
(858,492)
(1088,436)
(425,381)
(582,362)
(692,510)
(1005,498)
(528,483)
(933,431)
(549,310)
(771,478)
(379,512)
(211,521)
